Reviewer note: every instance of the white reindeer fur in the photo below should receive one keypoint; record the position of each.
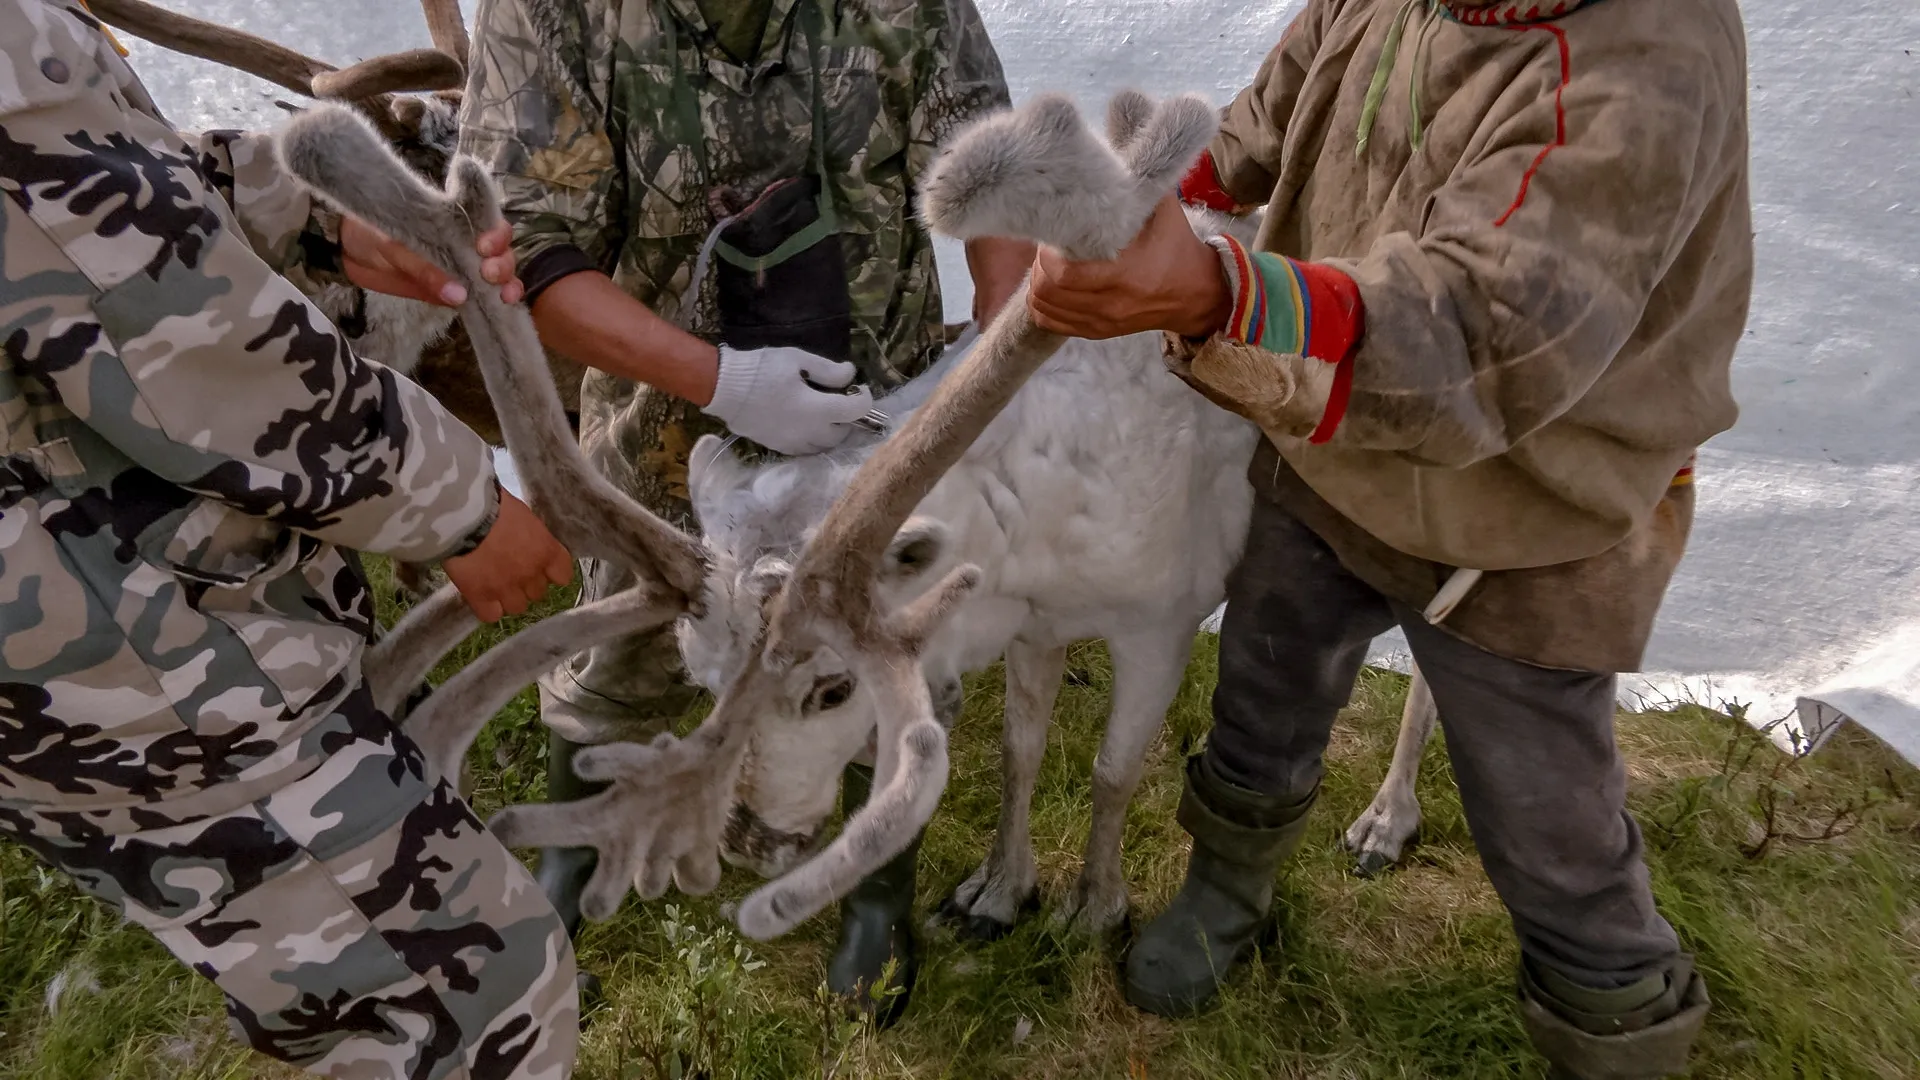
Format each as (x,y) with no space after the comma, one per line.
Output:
(1107,500)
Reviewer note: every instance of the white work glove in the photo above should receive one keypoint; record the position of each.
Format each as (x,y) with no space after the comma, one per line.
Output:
(763,395)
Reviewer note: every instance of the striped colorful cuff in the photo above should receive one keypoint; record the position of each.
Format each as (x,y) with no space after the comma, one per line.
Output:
(1201,187)
(1290,307)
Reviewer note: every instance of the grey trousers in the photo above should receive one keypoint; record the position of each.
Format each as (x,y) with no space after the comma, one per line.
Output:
(1540,776)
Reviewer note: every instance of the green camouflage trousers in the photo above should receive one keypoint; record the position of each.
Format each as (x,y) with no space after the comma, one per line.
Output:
(633,688)
(361,921)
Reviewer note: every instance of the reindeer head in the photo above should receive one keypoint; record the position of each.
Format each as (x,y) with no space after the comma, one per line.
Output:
(755,520)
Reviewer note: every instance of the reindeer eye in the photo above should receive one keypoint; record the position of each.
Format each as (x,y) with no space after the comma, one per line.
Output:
(830,693)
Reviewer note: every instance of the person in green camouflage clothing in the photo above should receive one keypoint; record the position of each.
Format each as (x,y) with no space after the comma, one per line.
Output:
(713,209)
(190,450)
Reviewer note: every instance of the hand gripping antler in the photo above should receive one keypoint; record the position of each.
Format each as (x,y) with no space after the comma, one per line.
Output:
(338,154)
(1036,173)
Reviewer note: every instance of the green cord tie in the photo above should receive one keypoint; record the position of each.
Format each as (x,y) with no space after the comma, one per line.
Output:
(1383,72)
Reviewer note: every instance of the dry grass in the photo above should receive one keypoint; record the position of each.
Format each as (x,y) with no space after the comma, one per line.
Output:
(1813,952)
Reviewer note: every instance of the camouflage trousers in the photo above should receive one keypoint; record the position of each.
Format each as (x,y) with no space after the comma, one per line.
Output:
(361,922)
(633,688)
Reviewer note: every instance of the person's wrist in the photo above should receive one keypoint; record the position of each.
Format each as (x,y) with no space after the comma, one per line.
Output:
(727,384)
(1209,303)
(495,496)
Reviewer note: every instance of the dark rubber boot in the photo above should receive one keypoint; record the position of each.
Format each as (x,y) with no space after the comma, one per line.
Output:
(876,924)
(1640,1032)
(1224,911)
(564,872)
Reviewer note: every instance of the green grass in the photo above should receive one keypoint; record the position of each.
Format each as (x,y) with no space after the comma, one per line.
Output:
(1812,952)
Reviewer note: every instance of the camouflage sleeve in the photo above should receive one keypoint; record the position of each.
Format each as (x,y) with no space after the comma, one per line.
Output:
(959,80)
(536,113)
(170,338)
(288,228)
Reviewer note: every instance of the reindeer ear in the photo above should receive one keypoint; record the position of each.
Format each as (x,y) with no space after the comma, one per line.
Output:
(767,575)
(713,471)
(916,549)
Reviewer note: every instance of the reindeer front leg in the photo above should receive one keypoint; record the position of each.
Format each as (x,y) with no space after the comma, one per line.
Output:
(988,903)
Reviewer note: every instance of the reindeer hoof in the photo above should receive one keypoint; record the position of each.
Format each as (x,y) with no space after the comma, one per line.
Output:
(981,928)
(1378,840)
(1096,912)
(1371,864)
(592,999)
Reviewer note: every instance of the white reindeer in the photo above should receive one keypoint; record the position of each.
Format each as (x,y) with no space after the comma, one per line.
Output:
(837,623)
(1108,500)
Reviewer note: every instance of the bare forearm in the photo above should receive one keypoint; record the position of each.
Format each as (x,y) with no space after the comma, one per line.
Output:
(588,319)
(997,266)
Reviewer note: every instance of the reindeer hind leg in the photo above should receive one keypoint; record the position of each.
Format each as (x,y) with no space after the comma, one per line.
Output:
(1379,836)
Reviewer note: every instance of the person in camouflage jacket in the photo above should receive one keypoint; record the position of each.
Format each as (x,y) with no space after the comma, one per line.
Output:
(193,457)
(713,209)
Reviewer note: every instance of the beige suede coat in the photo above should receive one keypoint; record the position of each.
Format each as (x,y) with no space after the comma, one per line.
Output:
(1555,260)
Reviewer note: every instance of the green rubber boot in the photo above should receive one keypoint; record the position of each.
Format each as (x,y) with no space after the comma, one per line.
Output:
(1640,1032)
(1224,910)
(564,872)
(876,924)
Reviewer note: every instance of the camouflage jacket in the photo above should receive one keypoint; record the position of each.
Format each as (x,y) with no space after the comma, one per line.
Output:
(574,107)
(187,441)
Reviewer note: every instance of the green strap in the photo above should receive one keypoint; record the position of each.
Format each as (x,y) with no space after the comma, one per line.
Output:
(827,222)
(1416,128)
(823,226)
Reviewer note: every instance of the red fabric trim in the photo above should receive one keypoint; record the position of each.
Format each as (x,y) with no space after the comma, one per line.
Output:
(1339,318)
(1337,399)
(1511,14)
(1201,187)
(1559,120)
(1334,300)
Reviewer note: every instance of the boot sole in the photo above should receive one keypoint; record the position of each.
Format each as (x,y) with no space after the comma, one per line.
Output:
(1179,1008)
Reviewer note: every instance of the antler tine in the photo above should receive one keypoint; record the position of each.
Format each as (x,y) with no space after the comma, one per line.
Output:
(336,152)
(395,73)
(448,29)
(445,726)
(223,45)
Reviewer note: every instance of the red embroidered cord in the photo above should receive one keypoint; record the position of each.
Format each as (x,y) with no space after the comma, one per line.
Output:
(1559,120)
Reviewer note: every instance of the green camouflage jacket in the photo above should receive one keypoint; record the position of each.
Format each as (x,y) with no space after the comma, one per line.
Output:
(571,104)
(189,446)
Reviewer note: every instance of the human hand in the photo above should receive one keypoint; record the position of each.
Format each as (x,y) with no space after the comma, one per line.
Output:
(998,267)
(512,567)
(1167,279)
(787,400)
(379,263)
